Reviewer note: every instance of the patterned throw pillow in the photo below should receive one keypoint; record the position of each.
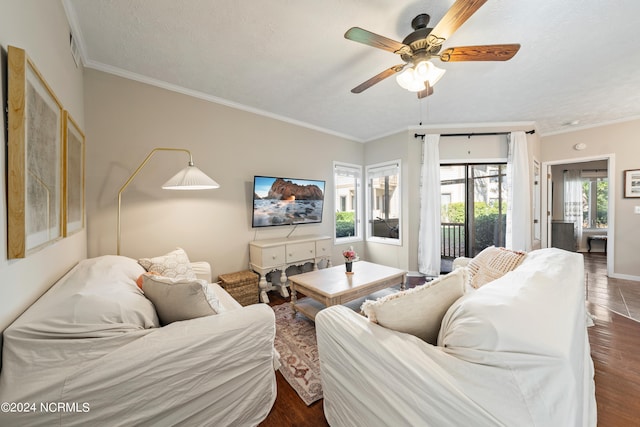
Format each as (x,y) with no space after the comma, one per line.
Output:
(418,311)
(491,264)
(175,264)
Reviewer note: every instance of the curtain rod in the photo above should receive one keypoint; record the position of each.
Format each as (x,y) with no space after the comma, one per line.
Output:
(469,135)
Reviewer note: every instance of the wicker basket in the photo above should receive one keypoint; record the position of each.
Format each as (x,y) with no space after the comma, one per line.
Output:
(242,286)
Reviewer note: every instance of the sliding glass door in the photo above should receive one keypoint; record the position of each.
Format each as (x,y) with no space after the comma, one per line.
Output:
(473,208)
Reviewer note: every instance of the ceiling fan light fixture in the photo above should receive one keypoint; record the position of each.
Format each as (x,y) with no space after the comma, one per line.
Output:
(413,78)
(409,80)
(425,70)
(405,78)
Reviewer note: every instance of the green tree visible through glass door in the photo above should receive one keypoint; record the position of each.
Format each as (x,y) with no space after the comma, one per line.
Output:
(487,187)
(473,208)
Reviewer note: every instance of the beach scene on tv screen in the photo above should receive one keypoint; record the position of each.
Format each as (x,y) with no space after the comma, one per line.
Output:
(284,201)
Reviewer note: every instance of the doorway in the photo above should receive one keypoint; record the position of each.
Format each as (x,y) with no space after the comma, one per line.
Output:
(473,208)
(592,207)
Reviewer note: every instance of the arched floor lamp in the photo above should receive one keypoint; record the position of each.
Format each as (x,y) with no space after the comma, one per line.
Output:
(189,178)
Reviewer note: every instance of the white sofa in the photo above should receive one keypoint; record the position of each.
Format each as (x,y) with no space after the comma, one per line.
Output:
(513,352)
(91,350)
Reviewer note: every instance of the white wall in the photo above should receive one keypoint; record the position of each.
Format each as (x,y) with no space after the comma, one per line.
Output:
(41,28)
(620,140)
(393,147)
(127,119)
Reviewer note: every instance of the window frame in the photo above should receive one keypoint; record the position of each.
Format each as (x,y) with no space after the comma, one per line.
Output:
(592,199)
(370,202)
(357,205)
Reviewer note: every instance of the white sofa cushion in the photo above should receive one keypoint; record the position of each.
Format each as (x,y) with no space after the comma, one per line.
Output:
(180,299)
(175,264)
(98,296)
(491,264)
(418,311)
(524,311)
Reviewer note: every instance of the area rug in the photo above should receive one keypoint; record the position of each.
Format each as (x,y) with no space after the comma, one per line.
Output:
(296,343)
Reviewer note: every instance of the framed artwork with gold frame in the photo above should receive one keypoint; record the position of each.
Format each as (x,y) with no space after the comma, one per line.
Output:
(73,172)
(34,158)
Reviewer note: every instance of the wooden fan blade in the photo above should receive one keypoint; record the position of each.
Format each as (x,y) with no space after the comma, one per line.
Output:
(360,35)
(452,20)
(491,52)
(378,78)
(428,90)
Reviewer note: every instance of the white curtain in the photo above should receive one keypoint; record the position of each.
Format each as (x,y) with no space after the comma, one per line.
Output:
(518,236)
(573,202)
(429,230)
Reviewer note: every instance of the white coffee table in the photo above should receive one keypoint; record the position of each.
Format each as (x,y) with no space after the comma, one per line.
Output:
(333,286)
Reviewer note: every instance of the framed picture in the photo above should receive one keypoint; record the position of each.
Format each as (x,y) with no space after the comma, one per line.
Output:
(73,172)
(34,158)
(632,183)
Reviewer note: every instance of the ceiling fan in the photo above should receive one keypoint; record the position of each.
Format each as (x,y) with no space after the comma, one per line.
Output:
(418,48)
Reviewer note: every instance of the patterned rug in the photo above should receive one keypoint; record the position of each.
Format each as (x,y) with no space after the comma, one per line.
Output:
(296,343)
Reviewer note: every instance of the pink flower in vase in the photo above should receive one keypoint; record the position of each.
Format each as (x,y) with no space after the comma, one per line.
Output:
(349,255)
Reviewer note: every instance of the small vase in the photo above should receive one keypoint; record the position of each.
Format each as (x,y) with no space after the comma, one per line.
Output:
(349,266)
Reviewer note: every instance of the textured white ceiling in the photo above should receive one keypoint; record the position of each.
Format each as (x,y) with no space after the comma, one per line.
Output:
(579,59)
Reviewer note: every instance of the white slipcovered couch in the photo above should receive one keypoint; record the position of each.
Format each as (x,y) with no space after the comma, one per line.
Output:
(93,343)
(514,352)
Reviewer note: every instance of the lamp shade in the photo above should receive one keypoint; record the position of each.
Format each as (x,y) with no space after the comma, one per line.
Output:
(190,178)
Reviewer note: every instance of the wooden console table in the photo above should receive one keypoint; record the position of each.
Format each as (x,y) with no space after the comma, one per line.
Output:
(269,255)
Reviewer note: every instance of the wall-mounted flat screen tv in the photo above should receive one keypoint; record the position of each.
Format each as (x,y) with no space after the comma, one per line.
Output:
(286,201)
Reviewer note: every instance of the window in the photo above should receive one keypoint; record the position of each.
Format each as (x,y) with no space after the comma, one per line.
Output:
(595,189)
(347,190)
(384,204)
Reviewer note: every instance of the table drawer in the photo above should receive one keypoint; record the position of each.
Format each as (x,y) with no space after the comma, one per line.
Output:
(323,248)
(301,251)
(273,257)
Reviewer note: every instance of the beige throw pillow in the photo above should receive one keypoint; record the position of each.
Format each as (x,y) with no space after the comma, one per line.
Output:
(491,264)
(180,299)
(418,311)
(174,264)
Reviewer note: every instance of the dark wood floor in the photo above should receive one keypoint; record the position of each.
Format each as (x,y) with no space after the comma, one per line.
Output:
(615,343)
(289,409)
(615,350)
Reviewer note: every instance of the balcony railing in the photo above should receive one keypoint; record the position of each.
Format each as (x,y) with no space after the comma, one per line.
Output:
(453,242)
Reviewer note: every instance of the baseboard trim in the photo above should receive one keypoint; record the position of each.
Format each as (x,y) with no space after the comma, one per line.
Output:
(625,277)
